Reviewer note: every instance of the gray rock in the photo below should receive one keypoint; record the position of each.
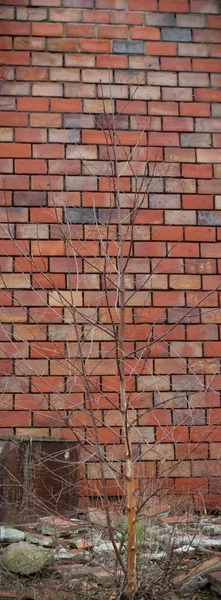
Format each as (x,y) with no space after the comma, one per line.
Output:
(79,556)
(103,577)
(185,549)
(26,558)
(212,529)
(40,540)
(8,534)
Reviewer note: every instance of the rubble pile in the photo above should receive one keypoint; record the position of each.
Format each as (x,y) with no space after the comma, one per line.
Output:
(78,553)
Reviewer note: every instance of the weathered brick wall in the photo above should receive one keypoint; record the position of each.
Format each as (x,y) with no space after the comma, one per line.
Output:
(54,54)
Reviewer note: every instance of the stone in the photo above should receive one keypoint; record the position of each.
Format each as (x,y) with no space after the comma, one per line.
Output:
(197,578)
(74,555)
(158,511)
(26,558)
(212,529)
(10,535)
(40,540)
(215,581)
(103,577)
(56,526)
(185,549)
(83,544)
(105,547)
(97,516)
(177,520)
(8,595)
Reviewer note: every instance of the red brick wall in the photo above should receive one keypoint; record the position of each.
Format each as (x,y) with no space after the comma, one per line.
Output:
(54,55)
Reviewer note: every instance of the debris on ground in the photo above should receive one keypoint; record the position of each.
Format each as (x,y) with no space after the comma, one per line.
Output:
(61,557)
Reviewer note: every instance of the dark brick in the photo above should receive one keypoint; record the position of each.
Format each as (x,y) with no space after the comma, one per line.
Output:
(177,313)
(109,122)
(78,121)
(176,34)
(209,217)
(128,47)
(78,3)
(80,215)
(189,417)
(164,201)
(160,19)
(196,140)
(30,198)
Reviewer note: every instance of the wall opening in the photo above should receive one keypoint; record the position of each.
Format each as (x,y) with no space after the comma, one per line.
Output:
(38,477)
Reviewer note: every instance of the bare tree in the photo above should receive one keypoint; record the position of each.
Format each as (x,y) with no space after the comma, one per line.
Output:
(114,313)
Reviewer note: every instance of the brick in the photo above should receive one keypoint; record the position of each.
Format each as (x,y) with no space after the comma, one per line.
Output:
(184,249)
(212,125)
(128,47)
(208,187)
(193,49)
(180,186)
(13,182)
(144,33)
(97,75)
(161,48)
(207,65)
(195,109)
(207,95)
(179,155)
(193,79)
(47,89)
(32,135)
(85,31)
(196,140)
(177,124)
(177,94)
(29,73)
(174,34)
(15,58)
(47,29)
(142,5)
(203,6)
(66,105)
(94,46)
(146,93)
(97,16)
(82,60)
(6,134)
(174,6)
(216,110)
(162,78)
(206,35)
(163,108)
(57,74)
(43,120)
(217,140)
(190,20)
(33,104)
(215,50)
(64,14)
(175,64)
(29,43)
(7,12)
(197,171)
(46,59)
(165,139)
(18,418)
